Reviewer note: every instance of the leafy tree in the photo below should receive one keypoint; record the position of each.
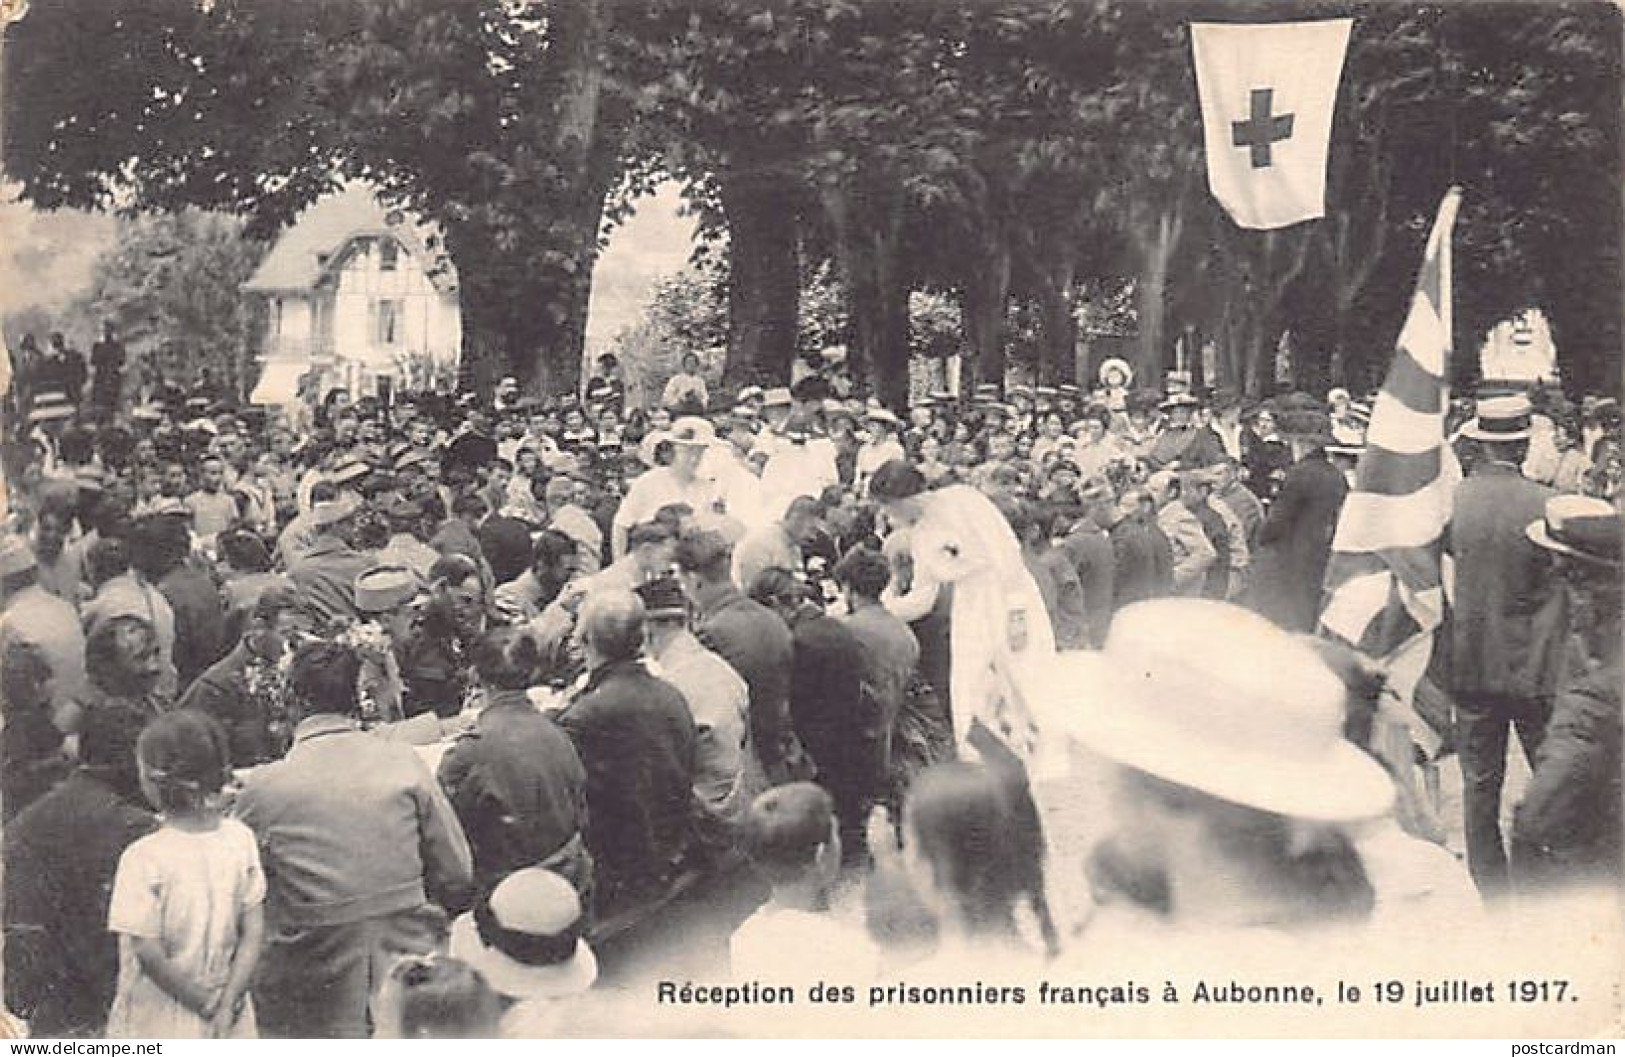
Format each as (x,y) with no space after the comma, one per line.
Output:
(496,121)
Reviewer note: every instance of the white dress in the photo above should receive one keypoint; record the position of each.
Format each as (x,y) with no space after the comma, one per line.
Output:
(999,626)
(185,889)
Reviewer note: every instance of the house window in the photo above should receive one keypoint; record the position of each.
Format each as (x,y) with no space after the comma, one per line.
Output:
(389,252)
(386,315)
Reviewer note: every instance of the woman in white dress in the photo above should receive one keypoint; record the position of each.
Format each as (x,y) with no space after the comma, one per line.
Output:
(999,626)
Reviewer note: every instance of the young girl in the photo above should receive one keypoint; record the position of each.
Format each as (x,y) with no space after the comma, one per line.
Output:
(186,900)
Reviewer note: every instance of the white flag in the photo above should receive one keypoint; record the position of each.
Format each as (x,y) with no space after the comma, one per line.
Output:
(1267,96)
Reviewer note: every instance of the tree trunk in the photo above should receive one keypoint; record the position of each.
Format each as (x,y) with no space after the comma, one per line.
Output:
(764,291)
(1058,355)
(867,217)
(880,329)
(985,306)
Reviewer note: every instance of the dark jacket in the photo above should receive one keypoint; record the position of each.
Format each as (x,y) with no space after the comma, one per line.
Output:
(838,724)
(1190,448)
(200,619)
(753,639)
(636,740)
(436,669)
(517,786)
(1091,552)
(1500,641)
(61,855)
(1058,583)
(1568,826)
(1295,542)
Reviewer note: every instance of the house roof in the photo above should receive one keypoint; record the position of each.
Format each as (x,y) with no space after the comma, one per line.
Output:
(315,242)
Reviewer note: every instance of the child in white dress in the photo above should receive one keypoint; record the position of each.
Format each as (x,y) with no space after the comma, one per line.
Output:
(187,899)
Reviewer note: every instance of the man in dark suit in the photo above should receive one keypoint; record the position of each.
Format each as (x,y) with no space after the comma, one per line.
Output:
(60,857)
(837,721)
(1568,829)
(1295,540)
(515,781)
(1506,626)
(636,739)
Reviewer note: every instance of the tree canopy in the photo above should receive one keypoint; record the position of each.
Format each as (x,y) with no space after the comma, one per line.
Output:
(1011,154)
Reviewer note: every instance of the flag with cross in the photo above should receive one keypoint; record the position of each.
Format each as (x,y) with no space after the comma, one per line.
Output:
(1267,94)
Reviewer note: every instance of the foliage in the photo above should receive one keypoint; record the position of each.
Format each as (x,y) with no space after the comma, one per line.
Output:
(1005,153)
(493,121)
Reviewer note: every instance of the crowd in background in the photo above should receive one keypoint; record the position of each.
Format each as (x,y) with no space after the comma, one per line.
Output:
(402,714)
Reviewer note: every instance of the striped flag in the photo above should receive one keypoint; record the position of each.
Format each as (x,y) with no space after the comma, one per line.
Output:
(1385,580)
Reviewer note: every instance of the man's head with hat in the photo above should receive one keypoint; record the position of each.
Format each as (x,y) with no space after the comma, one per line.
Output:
(881,423)
(1180,407)
(690,437)
(776,406)
(1586,536)
(334,516)
(1500,425)
(386,594)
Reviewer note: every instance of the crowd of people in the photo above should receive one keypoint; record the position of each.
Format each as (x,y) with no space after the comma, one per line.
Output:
(405,715)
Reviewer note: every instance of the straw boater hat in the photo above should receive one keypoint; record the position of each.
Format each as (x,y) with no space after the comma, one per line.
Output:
(1173,400)
(349,472)
(1500,418)
(1119,365)
(16,556)
(1580,527)
(386,587)
(778,396)
(1178,693)
(525,938)
(882,416)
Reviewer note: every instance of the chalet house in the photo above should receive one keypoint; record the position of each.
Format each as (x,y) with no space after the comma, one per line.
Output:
(358,296)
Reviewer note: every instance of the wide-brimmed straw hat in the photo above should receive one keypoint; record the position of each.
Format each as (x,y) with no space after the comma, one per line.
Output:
(1580,526)
(1116,364)
(693,430)
(525,939)
(1215,698)
(1500,418)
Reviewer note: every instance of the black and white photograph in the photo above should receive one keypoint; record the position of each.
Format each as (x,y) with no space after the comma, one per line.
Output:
(587,519)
